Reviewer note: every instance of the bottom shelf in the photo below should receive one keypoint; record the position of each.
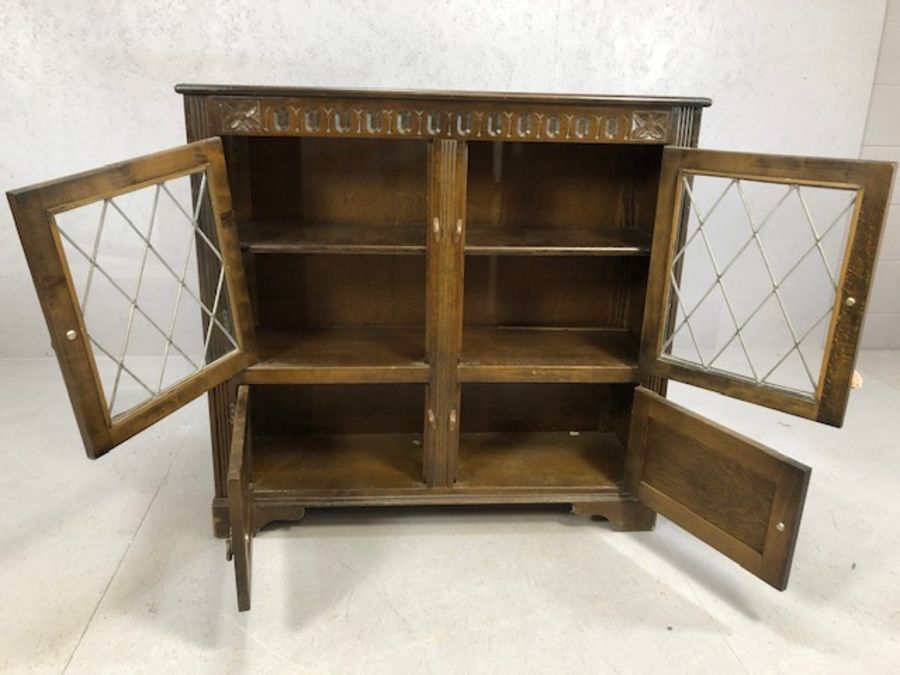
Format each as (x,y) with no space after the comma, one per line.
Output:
(544,459)
(332,462)
(494,462)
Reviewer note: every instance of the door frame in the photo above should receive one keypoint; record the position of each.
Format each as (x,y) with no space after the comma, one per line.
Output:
(34,209)
(873,182)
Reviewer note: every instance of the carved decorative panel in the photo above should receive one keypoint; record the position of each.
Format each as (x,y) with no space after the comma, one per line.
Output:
(522,122)
(239,116)
(649,126)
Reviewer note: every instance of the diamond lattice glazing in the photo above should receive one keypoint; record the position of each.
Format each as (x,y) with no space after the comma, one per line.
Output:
(753,286)
(152,316)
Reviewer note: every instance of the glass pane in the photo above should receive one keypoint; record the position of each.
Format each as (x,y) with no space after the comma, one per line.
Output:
(154,315)
(754,280)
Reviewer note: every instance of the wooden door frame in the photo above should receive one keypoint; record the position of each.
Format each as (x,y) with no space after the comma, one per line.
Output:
(34,209)
(871,179)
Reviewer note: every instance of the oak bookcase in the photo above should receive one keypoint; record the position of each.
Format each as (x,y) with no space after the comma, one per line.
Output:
(466,298)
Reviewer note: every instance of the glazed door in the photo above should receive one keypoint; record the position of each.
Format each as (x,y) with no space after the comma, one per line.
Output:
(138,272)
(737,495)
(760,273)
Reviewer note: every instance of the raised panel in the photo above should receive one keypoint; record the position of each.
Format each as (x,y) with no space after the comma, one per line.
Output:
(740,497)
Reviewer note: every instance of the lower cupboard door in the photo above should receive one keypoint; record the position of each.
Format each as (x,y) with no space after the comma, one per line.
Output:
(240,499)
(740,497)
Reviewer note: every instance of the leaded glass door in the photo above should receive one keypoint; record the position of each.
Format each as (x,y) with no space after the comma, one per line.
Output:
(138,271)
(759,276)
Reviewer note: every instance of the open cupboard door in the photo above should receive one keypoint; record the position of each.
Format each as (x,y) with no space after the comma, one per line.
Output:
(740,497)
(138,271)
(759,275)
(240,499)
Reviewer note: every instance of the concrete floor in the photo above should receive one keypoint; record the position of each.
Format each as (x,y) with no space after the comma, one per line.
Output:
(110,566)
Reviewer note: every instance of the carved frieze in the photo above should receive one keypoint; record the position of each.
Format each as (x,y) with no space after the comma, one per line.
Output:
(404,119)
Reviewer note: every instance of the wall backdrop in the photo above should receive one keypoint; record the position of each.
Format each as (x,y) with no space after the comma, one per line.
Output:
(87,83)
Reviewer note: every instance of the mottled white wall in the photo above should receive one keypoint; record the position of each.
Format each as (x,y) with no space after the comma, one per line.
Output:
(86,83)
(882,141)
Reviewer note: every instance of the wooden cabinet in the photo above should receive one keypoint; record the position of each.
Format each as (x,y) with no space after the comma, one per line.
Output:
(447,298)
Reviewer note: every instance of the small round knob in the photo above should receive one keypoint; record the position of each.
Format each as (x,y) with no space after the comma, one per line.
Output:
(780,527)
(850,301)
(71,335)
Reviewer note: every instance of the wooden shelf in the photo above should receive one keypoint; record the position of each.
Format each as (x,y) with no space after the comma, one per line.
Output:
(268,236)
(499,468)
(493,240)
(259,236)
(340,355)
(495,354)
(337,462)
(555,459)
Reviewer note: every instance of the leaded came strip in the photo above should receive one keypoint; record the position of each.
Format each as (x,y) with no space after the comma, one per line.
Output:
(758,278)
(133,260)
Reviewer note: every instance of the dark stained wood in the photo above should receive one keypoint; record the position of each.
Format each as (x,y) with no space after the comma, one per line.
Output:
(446,175)
(430,496)
(447,198)
(274,511)
(623,515)
(540,459)
(304,292)
(438,115)
(34,209)
(552,355)
(343,354)
(221,398)
(742,498)
(443,296)
(568,189)
(240,499)
(548,291)
(337,181)
(543,406)
(872,179)
(489,240)
(337,409)
(336,238)
(336,462)
(419,94)
(687,135)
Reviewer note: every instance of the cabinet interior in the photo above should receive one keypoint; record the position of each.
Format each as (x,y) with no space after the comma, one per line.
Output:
(336,436)
(542,435)
(335,240)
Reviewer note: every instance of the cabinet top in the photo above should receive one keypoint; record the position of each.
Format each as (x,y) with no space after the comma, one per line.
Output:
(460,96)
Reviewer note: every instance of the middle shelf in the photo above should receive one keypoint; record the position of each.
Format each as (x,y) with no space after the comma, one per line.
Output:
(490,354)
(346,354)
(286,236)
(498,354)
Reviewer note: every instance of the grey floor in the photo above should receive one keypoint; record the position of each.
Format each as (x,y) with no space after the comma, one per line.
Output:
(110,566)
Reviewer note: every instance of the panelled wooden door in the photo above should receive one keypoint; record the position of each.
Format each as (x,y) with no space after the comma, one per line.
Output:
(240,498)
(138,272)
(735,494)
(759,275)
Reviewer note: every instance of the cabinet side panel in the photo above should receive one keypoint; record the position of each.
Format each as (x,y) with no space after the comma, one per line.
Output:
(687,133)
(220,398)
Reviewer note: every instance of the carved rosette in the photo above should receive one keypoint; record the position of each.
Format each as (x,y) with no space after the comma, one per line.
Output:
(239,116)
(299,117)
(649,125)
